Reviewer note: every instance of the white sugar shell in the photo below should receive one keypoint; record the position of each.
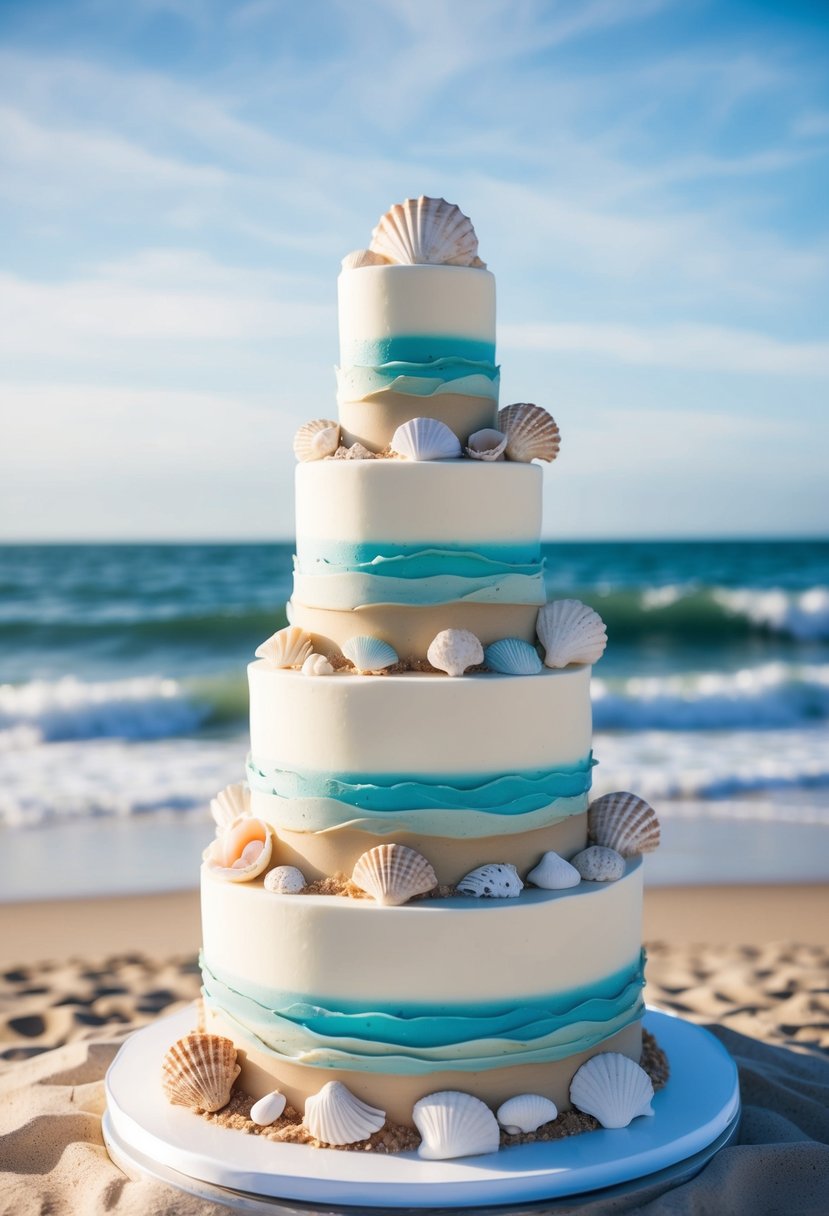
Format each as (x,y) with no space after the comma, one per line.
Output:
(369,654)
(198,1071)
(553,873)
(513,657)
(526,1113)
(623,822)
(285,880)
(532,433)
(316,440)
(425,439)
(570,632)
(288,647)
(612,1088)
(497,880)
(317,665)
(598,864)
(454,651)
(242,851)
(426,231)
(453,1124)
(393,874)
(268,1109)
(363,257)
(231,804)
(336,1116)
(487,444)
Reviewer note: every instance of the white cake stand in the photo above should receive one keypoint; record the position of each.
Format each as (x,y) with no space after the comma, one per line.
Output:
(695,1115)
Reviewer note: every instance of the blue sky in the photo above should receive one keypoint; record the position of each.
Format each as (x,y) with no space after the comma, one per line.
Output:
(180,178)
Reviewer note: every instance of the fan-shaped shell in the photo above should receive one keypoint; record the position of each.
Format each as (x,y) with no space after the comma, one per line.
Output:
(532,433)
(425,439)
(393,874)
(268,1109)
(513,657)
(454,651)
(526,1113)
(487,444)
(553,873)
(336,1116)
(242,851)
(570,632)
(623,822)
(317,439)
(612,1088)
(285,880)
(363,257)
(369,654)
(231,804)
(288,647)
(496,880)
(453,1124)
(598,864)
(426,231)
(198,1071)
(317,665)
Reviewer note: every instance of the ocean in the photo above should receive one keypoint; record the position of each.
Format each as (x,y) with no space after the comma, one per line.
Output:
(123,701)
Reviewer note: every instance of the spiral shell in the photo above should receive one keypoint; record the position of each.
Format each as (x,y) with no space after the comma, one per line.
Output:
(623,822)
(285,880)
(393,874)
(242,851)
(525,1113)
(496,880)
(317,439)
(613,1089)
(553,873)
(570,632)
(598,864)
(336,1116)
(487,444)
(454,651)
(288,647)
(425,231)
(513,657)
(369,654)
(317,665)
(532,433)
(268,1109)
(423,439)
(363,257)
(453,1124)
(231,804)
(198,1071)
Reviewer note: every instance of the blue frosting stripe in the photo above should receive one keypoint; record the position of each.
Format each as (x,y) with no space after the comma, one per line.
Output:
(419,561)
(417,349)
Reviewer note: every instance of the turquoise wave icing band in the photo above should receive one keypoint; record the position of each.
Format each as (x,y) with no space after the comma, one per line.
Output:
(419,561)
(462,376)
(418,348)
(345,592)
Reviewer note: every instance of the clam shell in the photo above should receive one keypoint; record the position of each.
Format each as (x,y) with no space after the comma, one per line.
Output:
(453,1124)
(369,654)
(487,444)
(513,657)
(242,851)
(288,647)
(363,257)
(336,1116)
(623,822)
(455,650)
(598,864)
(317,439)
(317,665)
(285,880)
(426,231)
(525,1113)
(553,873)
(198,1071)
(393,874)
(496,880)
(570,632)
(231,804)
(612,1088)
(425,439)
(268,1109)
(532,433)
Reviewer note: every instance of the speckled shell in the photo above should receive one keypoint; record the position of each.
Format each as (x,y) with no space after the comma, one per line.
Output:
(231,804)
(426,231)
(393,873)
(317,665)
(532,433)
(336,1116)
(425,439)
(613,1089)
(198,1071)
(454,1124)
(553,873)
(288,647)
(285,880)
(241,852)
(598,864)
(526,1113)
(369,654)
(570,632)
(497,880)
(513,657)
(268,1109)
(487,444)
(316,440)
(358,451)
(363,257)
(455,651)
(623,822)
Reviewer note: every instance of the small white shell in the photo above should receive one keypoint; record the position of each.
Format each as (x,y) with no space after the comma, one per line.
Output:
(425,439)
(532,433)
(336,1116)
(369,654)
(317,665)
(612,1088)
(570,632)
(455,650)
(454,1124)
(198,1071)
(526,1113)
(285,880)
(242,851)
(597,864)
(317,439)
(497,880)
(623,822)
(268,1109)
(553,873)
(231,804)
(513,657)
(287,647)
(487,444)
(363,257)
(393,874)
(421,231)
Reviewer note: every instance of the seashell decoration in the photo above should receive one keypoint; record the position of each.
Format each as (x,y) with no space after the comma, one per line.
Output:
(612,1088)
(268,1109)
(364,257)
(425,231)
(454,1124)
(570,632)
(288,647)
(532,433)
(525,1113)
(553,873)
(316,440)
(496,880)
(336,1116)
(285,880)
(487,444)
(598,864)
(242,851)
(425,439)
(513,657)
(198,1071)
(454,651)
(317,665)
(231,804)
(393,873)
(623,822)
(369,654)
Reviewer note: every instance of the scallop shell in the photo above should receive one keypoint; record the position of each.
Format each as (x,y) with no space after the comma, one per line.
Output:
(317,665)
(317,439)
(393,874)
(613,1089)
(513,657)
(455,650)
(598,864)
(425,439)
(198,1071)
(231,804)
(242,851)
(623,822)
(553,873)
(570,632)
(285,880)
(487,444)
(497,880)
(454,1124)
(532,433)
(425,231)
(336,1116)
(268,1109)
(288,647)
(363,257)
(369,654)
(525,1113)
